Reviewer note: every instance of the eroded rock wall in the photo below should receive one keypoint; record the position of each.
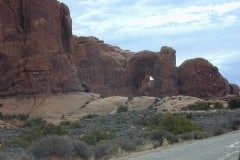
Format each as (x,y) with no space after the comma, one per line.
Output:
(35,44)
(39,55)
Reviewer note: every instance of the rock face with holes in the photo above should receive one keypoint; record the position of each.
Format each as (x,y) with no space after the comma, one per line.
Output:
(139,69)
(35,48)
(161,66)
(199,78)
(100,66)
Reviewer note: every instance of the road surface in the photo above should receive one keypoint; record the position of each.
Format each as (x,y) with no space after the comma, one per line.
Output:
(225,147)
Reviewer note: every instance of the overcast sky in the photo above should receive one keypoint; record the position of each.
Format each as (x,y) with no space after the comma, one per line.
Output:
(195,28)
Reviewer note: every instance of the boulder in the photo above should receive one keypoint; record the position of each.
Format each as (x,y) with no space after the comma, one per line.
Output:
(199,78)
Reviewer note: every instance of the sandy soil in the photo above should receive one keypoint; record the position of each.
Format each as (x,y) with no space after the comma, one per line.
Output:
(73,106)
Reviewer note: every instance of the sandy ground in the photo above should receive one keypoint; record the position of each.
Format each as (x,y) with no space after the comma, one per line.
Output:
(73,106)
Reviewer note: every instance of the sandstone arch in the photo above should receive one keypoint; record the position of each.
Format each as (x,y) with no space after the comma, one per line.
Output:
(140,68)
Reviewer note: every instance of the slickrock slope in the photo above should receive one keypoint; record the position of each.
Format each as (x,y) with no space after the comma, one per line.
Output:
(74,106)
(39,55)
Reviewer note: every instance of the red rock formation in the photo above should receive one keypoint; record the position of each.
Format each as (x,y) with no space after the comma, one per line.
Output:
(198,77)
(100,66)
(160,66)
(234,89)
(168,69)
(39,55)
(140,67)
(34,48)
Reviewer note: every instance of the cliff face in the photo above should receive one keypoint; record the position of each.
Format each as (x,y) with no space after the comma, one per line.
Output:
(39,55)
(100,66)
(35,44)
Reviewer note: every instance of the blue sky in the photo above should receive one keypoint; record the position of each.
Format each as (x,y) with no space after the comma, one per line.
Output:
(195,28)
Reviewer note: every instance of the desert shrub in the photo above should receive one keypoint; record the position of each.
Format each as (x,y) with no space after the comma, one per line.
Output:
(218,105)
(104,150)
(150,121)
(234,103)
(35,122)
(194,135)
(189,116)
(53,146)
(71,125)
(126,144)
(219,131)
(40,131)
(177,124)
(74,125)
(159,135)
(21,117)
(15,143)
(82,150)
(199,106)
(1,105)
(89,116)
(28,136)
(92,138)
(16,154)
(122,108)
(187,136)
(65,123)
(121,120)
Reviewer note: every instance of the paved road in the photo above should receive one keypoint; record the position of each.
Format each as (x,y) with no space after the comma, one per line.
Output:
(225,147)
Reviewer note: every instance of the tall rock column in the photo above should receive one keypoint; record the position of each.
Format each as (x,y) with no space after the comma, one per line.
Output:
(36,43)
(168,71)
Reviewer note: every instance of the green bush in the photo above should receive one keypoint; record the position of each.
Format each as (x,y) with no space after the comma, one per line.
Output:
(199,106)
(35,122)
(122,108)
(177,124)
(28,136)
(15,143)
(71,125)
(74,125)
(92,138)
(234,103)
(151,121)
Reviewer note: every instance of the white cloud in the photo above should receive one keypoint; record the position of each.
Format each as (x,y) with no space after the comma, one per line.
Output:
(104,16)
(199,28)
